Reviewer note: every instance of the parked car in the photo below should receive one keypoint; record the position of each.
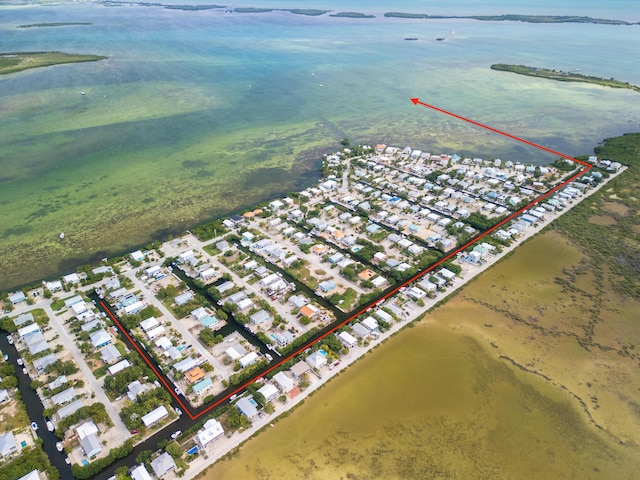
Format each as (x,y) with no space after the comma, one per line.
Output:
(133,432)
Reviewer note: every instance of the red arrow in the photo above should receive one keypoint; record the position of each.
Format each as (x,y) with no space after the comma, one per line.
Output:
(416,101)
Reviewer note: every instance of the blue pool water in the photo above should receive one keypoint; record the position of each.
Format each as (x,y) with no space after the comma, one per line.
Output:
(322,352)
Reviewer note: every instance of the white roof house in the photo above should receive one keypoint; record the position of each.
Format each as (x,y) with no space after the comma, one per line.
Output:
(183,298)
(153,271)
(248,359)
(71,278)
(268,280)
(73,300)
(382,315)
(370,323)
(69,409)
(135,388)
(316,360)
(259,317)
(283,382)
(64,397)
(185,365)
(41,363)
(416,293)
(79,308)
(154,416)
(86,429)
(110,354)
(28,330)
(91,445)
(20,320)
(199,313)
(135,307)
(155,332)
(448,274)
(360,330)
(236,352)
(118,367)
(7,444)
(244,304)
(163,464)
(140,473)
(164,343)
(17,297)
(247,407)
(149,323)
(32,475)
(212,430)
(269,392)
(100,338)
(347,339)
(36,343)
(207,273)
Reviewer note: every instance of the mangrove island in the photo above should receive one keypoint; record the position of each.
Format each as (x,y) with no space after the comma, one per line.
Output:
(562,76)
(18,61)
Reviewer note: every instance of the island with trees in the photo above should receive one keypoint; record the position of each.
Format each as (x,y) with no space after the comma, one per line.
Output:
(55,24)
(563,76)
(352,15)
(514,18)
(13,62)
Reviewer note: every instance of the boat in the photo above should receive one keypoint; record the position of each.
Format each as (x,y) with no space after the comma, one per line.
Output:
(59,446)
(411,38)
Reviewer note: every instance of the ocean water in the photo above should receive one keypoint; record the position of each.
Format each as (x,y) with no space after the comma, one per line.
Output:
(199,113)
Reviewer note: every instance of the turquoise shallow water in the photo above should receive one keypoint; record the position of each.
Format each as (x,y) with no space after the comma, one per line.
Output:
(202,98)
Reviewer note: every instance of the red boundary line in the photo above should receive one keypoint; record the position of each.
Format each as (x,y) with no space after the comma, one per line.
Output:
(446,258)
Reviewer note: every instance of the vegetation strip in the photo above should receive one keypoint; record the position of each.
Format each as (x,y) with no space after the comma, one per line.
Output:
(56,24)
(13,62)
(513,18)
(562,76)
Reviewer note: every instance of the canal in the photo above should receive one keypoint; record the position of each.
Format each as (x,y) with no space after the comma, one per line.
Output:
(35,410)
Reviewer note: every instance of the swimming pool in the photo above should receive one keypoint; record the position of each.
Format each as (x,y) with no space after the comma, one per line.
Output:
(322,352)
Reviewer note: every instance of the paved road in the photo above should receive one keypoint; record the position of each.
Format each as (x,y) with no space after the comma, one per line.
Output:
(150,298)
(96,385)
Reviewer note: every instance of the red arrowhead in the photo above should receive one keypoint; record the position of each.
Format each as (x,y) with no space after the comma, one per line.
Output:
(415,100)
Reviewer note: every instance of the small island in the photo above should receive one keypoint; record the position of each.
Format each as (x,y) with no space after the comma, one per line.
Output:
(194,8)
(352,15)
(562,76)
(312,12)
(252,10)
(17,61)
(57,24)
(513,18)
